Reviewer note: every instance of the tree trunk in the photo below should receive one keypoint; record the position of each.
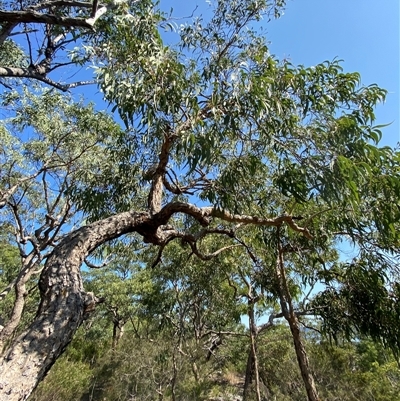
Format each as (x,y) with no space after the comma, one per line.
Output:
(302,359)
(252,360)
(249,375)
(19,303)
(63,306)
(290,316)
(118,332)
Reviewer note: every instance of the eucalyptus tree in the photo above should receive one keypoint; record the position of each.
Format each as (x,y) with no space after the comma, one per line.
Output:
(65,139)
(223,140)
(10,261)
(40,39)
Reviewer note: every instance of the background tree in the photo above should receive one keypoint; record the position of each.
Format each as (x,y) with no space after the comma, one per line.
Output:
(43,37)
(64,140)
(285,158)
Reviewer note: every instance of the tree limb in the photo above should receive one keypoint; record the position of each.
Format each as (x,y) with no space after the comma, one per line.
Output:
(61,3)
(31,16)
(6,31)
(16,72)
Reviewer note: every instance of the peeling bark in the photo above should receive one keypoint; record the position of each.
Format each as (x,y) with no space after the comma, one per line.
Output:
(156,191)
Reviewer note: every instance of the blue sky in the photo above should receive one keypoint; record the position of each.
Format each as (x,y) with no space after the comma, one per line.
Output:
(363,33)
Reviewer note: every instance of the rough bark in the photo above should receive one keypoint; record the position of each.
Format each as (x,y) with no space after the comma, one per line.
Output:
(64,304)
(63,307)
(302,360)
(248,379)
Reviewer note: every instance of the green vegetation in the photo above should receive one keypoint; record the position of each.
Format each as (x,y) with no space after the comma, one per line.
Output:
(144,368)
(219,190)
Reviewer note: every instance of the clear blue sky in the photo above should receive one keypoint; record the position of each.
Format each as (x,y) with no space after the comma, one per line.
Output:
(363,33)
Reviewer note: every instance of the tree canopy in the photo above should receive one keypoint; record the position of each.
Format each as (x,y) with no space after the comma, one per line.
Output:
(221,184)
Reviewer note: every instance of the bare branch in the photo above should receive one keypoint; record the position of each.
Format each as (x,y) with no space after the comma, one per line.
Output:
(260,221)
(193,246)
(159,255)
(6,290)
(268,325)
(249,251)
(228,333)
(31,16)
(94,266)
(204,214)
(310,327)
(6,31)
(78,83)
(94,8)
(23,32)
(92,20)
(16,72)
(61,3)
(4,196)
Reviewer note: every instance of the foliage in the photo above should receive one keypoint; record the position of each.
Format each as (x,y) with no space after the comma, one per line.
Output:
(142,366)
(363,290)
(10,262)
(288,162)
